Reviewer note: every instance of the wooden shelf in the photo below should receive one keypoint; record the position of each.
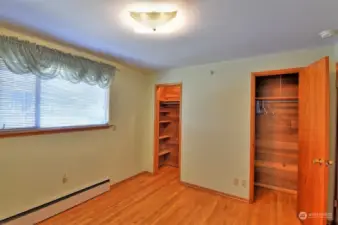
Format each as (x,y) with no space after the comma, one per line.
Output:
(168,119)
(277,98)
(164,137)
(165,121)
(164,152)
(276,188)
(278,166)
(170,164)
(170,101)
(293,155)
(167,102)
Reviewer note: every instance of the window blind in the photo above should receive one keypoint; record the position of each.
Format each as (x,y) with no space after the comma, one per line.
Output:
(17,99)
(66,104)
(27,102)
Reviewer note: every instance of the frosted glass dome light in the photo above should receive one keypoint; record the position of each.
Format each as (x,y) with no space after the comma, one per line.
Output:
(153,17)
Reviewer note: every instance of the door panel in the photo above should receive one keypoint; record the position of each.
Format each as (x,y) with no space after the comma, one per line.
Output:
(313,141)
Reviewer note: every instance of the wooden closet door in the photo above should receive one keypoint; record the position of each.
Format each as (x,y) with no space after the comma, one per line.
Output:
(313,142)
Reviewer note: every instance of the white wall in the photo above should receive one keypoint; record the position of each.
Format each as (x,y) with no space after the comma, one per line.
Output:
(216,116)
(31,168)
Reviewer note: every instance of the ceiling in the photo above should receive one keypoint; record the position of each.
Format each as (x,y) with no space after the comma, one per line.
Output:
(214,30)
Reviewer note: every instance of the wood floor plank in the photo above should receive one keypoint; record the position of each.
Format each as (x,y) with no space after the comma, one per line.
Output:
(163,200)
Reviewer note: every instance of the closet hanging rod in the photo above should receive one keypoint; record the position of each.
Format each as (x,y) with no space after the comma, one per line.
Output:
(271,100)
(277,98)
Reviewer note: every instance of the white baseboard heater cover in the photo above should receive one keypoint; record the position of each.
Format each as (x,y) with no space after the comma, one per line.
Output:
(55,207)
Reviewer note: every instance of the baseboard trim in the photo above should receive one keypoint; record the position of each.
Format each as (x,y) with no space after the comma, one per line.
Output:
(52,208)
(45,211)
(215,192)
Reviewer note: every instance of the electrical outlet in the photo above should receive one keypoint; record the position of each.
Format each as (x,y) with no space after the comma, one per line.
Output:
(236,181)
(244,183)
(64,179)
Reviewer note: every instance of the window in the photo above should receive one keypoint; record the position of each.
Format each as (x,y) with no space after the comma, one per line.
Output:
(28,102)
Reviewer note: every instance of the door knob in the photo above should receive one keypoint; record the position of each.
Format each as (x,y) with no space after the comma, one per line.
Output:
(328,162)
(318,161)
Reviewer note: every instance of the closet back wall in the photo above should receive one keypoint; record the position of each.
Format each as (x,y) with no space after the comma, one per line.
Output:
(216,116)
(32,167)
(276,132)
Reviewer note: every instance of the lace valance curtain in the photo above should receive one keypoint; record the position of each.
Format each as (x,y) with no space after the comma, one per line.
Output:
(22,57)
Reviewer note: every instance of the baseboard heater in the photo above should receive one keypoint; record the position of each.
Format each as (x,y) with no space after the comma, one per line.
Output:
(57,206)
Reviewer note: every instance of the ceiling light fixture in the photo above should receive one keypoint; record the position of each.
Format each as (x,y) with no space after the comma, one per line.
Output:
(153,17)
(153,20)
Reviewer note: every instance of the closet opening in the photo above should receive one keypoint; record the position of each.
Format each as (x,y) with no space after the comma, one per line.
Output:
(274,135)
(289,139)
(167,127)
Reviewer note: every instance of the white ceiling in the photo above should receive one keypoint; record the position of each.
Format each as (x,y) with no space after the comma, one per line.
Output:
(215,30)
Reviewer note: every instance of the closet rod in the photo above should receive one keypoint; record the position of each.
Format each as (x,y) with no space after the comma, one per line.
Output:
(278,101)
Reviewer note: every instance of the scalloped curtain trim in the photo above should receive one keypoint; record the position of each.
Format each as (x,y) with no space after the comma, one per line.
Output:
(22,57)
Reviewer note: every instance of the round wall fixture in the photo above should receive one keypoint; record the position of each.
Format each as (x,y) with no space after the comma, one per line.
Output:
(328,33)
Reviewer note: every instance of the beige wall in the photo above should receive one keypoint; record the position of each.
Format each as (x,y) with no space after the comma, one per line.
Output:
(216,116)
(31,168)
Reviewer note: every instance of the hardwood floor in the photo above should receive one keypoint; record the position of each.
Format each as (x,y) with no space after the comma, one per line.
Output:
(163,200)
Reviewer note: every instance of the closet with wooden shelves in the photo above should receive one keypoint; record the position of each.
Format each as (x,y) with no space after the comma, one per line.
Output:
(167,126)
(289,135)
(276,140)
